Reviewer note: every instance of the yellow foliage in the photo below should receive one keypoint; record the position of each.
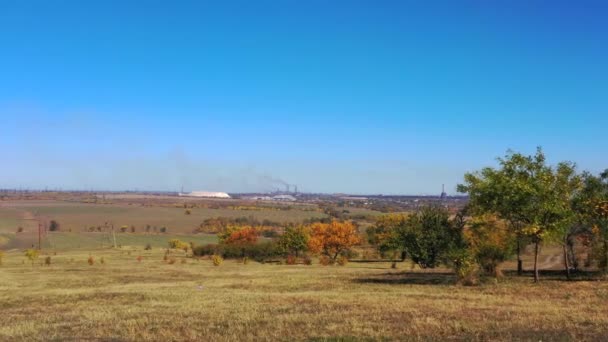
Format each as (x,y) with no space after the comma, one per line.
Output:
(333,238)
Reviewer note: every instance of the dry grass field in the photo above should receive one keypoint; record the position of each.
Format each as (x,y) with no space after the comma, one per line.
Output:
(127,300)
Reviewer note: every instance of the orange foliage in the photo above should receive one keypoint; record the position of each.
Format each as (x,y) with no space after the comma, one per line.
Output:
(331,239)
(245,235)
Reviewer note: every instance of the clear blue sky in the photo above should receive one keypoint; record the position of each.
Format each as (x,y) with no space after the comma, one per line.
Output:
(335,96)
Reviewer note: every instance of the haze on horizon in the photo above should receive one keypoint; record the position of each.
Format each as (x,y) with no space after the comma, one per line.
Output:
(392,97)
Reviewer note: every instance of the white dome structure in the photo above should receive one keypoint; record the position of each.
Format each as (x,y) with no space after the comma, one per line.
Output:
(208,194)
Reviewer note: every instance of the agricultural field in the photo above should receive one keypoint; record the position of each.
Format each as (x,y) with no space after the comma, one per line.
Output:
(76,218)
(124,299)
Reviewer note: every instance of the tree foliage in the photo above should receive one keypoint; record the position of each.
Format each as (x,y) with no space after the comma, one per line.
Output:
(239,235)
(294,240)
(531,195)
(491,242)
(428,236)
(331,239)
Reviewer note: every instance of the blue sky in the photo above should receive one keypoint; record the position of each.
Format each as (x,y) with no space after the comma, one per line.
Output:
(335,96)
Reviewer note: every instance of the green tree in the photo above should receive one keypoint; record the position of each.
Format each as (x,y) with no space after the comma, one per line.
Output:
(429,237)
(531,195)
(591,207)
(294,240)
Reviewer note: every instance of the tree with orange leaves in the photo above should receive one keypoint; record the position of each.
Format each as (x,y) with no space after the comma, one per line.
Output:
(240,236)
(331,239)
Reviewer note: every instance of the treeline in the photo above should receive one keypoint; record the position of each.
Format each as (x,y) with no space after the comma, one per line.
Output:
(332,242)
(522,201)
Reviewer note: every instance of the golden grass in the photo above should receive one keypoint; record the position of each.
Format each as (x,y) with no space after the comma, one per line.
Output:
(132,301)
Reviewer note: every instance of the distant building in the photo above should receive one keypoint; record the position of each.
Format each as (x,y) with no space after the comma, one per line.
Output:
(287,198)
(207,194)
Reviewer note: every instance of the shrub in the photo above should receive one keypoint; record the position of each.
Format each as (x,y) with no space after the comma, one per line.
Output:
(324,260)
(148,247)
(163,229)
(1,256)
(217,260)
(183,261)
(171,261)
(102,261)
(342,260)
(258,252)
(32,255)
(20,230)
(307,260)
(139,258)
(54,226)
(291,260)
(91,260)
(178,244)
(187,212)
(47,261)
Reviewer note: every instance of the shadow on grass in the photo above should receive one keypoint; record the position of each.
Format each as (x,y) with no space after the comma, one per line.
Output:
(449,278)
(411,278)
(557,275)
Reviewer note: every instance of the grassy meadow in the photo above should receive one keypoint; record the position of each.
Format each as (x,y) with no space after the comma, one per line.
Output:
(127,300)
(135,295)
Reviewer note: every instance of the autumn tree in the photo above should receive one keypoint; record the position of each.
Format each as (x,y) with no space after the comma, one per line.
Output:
(491,242)
(591,207)
(332,239)
(238,234)
(294,240)
(533,197)
(383,234)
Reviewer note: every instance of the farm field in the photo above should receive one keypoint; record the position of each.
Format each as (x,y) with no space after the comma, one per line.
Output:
(80,216)
(127,300)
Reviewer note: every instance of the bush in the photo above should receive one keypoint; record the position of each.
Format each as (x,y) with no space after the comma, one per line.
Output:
(324,260)
(47,261)
(54,226)
(307,261)
(342,260)
(148,247)
(139,258)
(291,260)
(217,260)
(171,261)
(258,252)
(178,244)
(91,260)
(1,256)
(102,261)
